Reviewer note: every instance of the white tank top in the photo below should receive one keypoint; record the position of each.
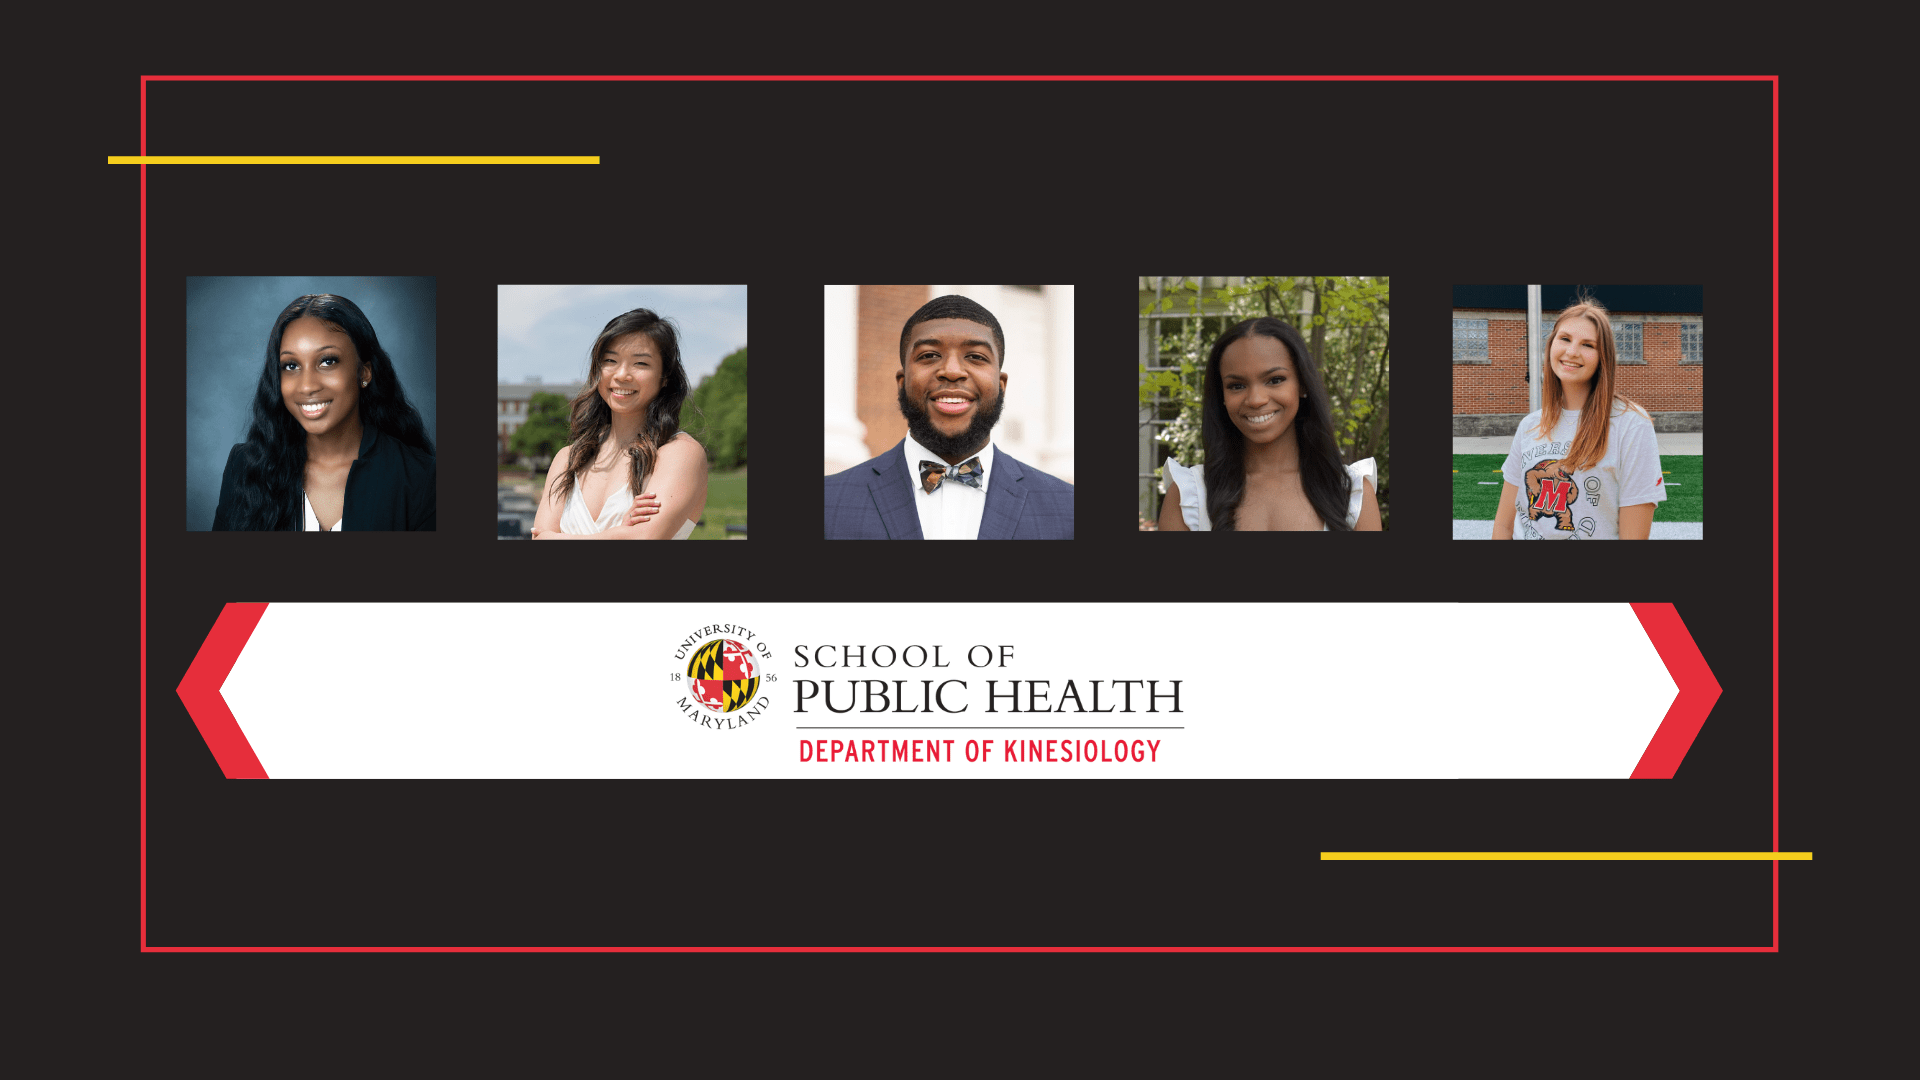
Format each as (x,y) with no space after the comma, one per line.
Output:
(575,522)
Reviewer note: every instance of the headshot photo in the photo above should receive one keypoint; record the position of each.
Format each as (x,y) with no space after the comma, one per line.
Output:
(1263,404)
(949,412)
(622,412)
(310,404)
(1578,412)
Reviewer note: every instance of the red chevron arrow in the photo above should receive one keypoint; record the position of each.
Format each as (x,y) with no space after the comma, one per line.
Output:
(199,690)
(1698,690)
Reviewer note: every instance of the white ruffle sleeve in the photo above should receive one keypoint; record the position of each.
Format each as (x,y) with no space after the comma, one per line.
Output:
(1357,495)
(1193,494)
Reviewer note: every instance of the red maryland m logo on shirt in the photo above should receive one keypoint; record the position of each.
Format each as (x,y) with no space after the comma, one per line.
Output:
(1553,496)
(1550,488)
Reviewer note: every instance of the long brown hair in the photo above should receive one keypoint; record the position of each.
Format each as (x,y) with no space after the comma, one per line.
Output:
(1590,437)
(593,421)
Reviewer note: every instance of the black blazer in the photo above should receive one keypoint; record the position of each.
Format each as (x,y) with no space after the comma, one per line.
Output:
(390,488)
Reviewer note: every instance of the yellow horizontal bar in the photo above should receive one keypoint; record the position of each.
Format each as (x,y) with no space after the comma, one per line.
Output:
(1565,856)
(310,159)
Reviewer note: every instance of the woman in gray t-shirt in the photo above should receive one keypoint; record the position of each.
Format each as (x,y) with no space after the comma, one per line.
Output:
(1587,465)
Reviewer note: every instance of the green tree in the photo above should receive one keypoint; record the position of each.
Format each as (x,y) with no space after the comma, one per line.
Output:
(547,429)
(719,416)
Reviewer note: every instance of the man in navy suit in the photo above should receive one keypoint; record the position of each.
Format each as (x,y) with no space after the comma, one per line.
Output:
(946,480)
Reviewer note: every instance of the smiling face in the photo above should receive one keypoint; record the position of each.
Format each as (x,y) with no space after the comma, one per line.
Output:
(1261,387)
(629,374)
(1574,353)
(951,386)
(320,374)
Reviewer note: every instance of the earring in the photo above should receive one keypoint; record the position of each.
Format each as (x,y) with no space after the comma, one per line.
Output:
(364,382)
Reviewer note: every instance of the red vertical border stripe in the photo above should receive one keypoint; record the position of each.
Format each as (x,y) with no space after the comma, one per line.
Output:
(200,691)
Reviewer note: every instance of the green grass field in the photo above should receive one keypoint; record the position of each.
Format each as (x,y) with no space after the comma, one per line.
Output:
(1474,500)
(726,505)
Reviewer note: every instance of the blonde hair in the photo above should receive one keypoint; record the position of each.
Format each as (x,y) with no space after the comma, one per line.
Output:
(1590,437)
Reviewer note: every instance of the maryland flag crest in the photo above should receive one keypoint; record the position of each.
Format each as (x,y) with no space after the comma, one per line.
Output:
(724,675)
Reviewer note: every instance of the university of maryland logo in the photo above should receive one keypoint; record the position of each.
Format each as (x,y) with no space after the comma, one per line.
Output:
(726,681)
(723,675)
(1550,491)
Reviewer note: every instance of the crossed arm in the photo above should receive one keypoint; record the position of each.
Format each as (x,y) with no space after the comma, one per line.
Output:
(678,494)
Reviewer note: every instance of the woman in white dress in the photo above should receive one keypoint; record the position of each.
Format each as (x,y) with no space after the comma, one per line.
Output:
(1272,462)
(626,438)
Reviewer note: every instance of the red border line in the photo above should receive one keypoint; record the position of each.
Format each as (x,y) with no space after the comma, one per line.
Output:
(145,79)
(1776,507)
(962,78)
(966,948)
(143,514)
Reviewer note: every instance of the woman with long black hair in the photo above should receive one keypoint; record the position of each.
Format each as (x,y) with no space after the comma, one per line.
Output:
(626,439)
(334,444)
(1272,461)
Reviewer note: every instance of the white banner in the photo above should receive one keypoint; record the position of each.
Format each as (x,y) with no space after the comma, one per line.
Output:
(1043,691)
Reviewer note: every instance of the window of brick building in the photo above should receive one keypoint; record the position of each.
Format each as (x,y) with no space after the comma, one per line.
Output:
(1626,343)
(1692,347)
(1626,339)
(1470,341)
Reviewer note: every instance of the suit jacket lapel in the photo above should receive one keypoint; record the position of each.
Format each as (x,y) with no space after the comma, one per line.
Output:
(1006,498)
(893,496)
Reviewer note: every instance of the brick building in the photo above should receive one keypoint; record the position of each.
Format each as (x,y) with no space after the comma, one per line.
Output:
(863,325)
(512,400)
(1659,344)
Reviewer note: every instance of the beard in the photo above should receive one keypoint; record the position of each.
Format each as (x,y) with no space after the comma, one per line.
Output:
(956,447)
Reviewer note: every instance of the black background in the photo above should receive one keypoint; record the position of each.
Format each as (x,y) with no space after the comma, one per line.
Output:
(788,186)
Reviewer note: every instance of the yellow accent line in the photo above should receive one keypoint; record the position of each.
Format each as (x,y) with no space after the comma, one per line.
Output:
(1566,856)
(309,159)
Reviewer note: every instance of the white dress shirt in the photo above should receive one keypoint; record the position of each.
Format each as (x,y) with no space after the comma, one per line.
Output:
(953,511)
(310,522)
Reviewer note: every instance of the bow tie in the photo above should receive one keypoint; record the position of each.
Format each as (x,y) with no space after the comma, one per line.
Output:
(969,472)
